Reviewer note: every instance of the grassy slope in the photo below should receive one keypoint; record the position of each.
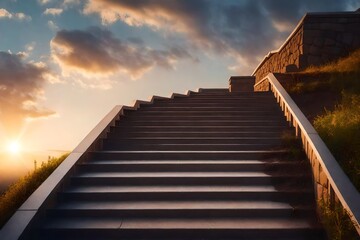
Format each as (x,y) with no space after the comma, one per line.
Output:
(18,192)
(339,127)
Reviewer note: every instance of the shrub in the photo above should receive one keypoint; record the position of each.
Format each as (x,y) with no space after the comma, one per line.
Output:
(340,130)
(337,223)
(17,193)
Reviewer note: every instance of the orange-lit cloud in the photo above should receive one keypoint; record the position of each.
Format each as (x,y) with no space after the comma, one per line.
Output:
(18,16)
(244,30)
(21,85)
(96,51)
(43,2)
(53,11)
(227,29)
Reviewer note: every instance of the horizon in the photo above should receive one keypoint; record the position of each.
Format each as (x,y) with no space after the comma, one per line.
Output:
(66,64)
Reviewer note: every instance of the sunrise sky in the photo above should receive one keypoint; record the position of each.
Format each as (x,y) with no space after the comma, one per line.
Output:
(65,63)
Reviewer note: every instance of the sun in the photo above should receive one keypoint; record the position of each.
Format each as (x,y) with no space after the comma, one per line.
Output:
(14,147)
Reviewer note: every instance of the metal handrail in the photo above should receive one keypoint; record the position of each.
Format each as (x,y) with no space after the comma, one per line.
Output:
(339,186)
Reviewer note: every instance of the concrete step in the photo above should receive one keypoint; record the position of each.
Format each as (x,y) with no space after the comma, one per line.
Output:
(178,208)
(223,123)
(190,165)
(181,155)
(188,178)
(231,97)
(216,104)
(182,205)
(187,228)
(160,118)
(208,108)
(189,134)
(191,140)
(188,146)
(232,94)
(192,174)
(206,128)
(83,191)
(209,114)
(217,97)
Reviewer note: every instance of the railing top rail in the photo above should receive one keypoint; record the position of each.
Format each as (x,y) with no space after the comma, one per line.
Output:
(342,186)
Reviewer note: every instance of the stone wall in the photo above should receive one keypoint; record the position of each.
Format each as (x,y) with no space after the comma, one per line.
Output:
(241,83)
(262,86)
(318,39)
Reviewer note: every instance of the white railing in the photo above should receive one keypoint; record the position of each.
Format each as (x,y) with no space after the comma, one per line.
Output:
(330,181)
(45,195)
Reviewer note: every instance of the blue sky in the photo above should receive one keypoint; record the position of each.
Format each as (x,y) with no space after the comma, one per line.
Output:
(65,63)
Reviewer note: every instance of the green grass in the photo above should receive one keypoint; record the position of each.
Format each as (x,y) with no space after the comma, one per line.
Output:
(347,64)
(337,223)
(343,74)
(340,130)
(18,192)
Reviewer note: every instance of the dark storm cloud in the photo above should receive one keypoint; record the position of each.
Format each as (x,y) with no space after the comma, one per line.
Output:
(21,85)
(289,12)
(97,51)
(244,29)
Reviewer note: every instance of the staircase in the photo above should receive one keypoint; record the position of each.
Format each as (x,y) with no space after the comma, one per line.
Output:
(207,166)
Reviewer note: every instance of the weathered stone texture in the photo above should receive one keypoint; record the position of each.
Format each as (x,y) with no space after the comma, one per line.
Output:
(320,38)
(241,83)
(263,86)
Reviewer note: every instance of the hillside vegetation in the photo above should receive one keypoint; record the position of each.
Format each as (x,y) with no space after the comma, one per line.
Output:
(340,127)
(334,86)
(18,192)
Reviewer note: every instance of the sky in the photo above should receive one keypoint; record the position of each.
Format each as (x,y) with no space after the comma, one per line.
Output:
(65,63)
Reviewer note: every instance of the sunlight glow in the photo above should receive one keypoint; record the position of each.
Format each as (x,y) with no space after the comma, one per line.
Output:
(14,147)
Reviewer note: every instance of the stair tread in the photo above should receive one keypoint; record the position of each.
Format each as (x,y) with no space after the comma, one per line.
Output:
(198,138)
(176,204)
(203,126)
(184,174)
(176,162)
(210,120)
(206,144)
(208,151)
(181,223)
(179,188)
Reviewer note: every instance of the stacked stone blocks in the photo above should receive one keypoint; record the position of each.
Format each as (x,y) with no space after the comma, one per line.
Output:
(318,39)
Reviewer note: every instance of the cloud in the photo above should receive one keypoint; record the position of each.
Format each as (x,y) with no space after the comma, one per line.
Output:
(28,50)
(67,3)
(52,25)
(21,85)
(53,11)
(245,30)
(4,13)
(17,16)
(43,2)
(97,52)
